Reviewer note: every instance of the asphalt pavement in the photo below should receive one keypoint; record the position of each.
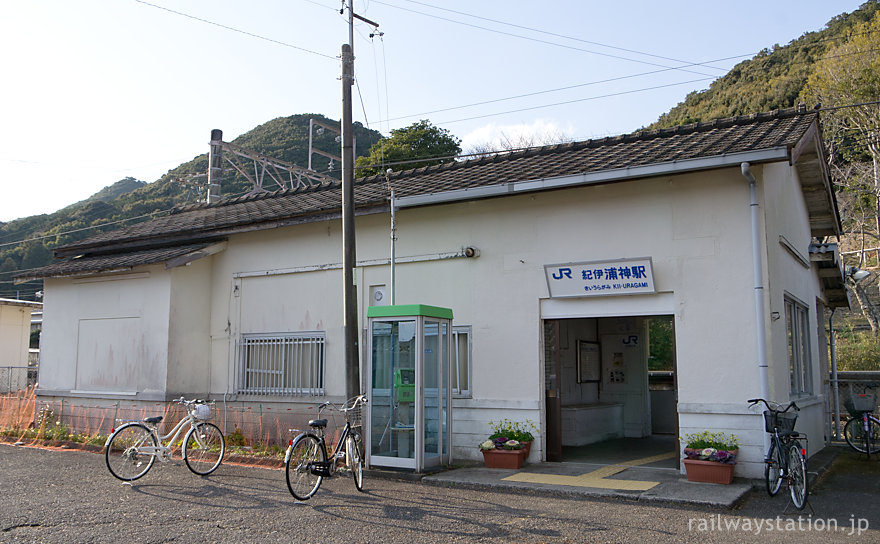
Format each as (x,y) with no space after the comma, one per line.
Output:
(54,495)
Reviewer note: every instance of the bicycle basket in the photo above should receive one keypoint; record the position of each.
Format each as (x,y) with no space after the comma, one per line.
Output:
(202,411)
(864,402)
(784,421)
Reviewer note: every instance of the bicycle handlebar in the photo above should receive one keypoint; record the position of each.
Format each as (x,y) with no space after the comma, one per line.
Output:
(355,402)
(791,405)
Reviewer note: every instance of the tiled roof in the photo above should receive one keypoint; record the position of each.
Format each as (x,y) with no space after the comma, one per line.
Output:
(206,222)
(119,262)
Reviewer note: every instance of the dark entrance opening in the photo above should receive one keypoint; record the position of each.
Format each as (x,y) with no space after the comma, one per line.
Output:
(611,390)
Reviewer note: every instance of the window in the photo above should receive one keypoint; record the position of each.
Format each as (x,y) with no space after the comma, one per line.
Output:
(797,320)
(461,361)
(281,364)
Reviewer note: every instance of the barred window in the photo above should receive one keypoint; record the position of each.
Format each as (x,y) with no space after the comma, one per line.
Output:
(281,364)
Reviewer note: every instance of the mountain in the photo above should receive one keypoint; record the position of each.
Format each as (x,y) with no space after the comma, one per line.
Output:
(772,79)
(112,192)
(129,200)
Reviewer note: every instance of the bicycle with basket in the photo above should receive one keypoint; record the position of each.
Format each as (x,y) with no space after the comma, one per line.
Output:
(133,447)
(787,458)
(862,432)
(306,462)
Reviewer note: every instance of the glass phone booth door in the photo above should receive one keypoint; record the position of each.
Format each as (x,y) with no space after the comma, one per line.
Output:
(410,399)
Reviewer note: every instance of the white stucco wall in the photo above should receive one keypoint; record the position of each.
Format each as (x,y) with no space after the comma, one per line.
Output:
(695,227)
(15,328)
(106,335)
(189,363)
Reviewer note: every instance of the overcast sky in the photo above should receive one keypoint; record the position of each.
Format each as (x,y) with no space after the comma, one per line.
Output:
(97,90)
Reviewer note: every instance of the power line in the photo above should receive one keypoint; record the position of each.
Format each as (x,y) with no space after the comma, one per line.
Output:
(547,32)
(246,33)
(547,91)
(533,39)
(609,95)
(83,229)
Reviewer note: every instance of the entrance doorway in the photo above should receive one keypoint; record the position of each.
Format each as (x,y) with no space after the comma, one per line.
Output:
(610,386)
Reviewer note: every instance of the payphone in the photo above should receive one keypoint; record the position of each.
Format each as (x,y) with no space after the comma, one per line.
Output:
(409,372)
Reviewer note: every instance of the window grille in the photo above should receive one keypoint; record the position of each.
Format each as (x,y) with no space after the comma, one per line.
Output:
(290,364)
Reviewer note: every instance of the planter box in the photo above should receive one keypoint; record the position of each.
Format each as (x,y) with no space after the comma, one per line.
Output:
(511,459)
(711,472)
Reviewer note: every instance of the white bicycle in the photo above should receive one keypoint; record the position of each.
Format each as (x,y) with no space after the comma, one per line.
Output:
(132,448)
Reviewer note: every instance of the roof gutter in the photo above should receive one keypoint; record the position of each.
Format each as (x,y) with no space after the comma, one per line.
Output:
(758,274)
(595,178)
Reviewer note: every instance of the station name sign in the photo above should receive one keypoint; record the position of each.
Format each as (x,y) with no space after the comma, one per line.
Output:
(600,278)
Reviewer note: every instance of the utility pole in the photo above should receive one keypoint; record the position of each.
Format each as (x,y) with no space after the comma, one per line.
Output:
(349,260)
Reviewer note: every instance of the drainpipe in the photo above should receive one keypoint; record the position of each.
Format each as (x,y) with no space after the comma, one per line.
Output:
(758,273)
(834,382)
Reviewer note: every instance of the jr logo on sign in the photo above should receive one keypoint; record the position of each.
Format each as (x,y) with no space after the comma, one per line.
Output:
(562,273)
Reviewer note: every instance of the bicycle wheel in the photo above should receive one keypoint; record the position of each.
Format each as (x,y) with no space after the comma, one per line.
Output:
(854,433)
(797,476)
(304,451)
(124,454)
(203,448)
(773,470)
(354,456)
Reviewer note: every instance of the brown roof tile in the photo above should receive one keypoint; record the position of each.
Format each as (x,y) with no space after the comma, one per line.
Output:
(207,222)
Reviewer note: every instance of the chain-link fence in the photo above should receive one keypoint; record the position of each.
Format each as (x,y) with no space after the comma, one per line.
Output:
(256,427)
(17,378)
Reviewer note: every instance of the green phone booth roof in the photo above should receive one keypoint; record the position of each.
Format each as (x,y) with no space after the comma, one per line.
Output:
(408,310)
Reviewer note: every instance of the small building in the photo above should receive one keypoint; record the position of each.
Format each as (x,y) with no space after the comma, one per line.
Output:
(554,260)
(15,335)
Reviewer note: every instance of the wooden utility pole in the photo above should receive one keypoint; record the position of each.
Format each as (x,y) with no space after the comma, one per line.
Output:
(349,260)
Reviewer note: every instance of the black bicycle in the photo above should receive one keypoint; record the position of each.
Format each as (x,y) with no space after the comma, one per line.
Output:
(862,433)
(786,459)
(306,462)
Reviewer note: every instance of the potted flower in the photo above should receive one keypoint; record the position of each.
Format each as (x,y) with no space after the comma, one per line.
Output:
(710,456)
(514,430)
(509,444)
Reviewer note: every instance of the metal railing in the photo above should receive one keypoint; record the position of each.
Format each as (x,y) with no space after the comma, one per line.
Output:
(849,383)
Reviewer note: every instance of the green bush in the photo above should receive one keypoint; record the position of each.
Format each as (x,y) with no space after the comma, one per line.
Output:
(857,351)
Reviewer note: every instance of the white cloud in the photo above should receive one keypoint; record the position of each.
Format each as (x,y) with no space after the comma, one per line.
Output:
(495,136)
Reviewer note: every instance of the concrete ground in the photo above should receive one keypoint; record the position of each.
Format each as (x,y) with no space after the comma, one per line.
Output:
(617,469)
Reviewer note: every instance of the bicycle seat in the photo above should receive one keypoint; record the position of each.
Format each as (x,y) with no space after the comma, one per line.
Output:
(318,423)
(153,420)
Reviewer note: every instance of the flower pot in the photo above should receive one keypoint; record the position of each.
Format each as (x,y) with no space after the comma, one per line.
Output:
(511,459)
(711,472)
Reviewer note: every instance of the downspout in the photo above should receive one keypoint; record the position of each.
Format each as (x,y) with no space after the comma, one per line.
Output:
(758,273)
(834,382)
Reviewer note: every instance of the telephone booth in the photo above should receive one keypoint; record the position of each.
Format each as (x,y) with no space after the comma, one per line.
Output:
(410,401)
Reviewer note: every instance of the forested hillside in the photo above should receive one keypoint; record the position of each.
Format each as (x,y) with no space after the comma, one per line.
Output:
(129,200)
(772,79)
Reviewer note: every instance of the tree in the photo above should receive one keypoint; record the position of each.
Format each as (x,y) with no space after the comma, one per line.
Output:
(848,78)
(420,144)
